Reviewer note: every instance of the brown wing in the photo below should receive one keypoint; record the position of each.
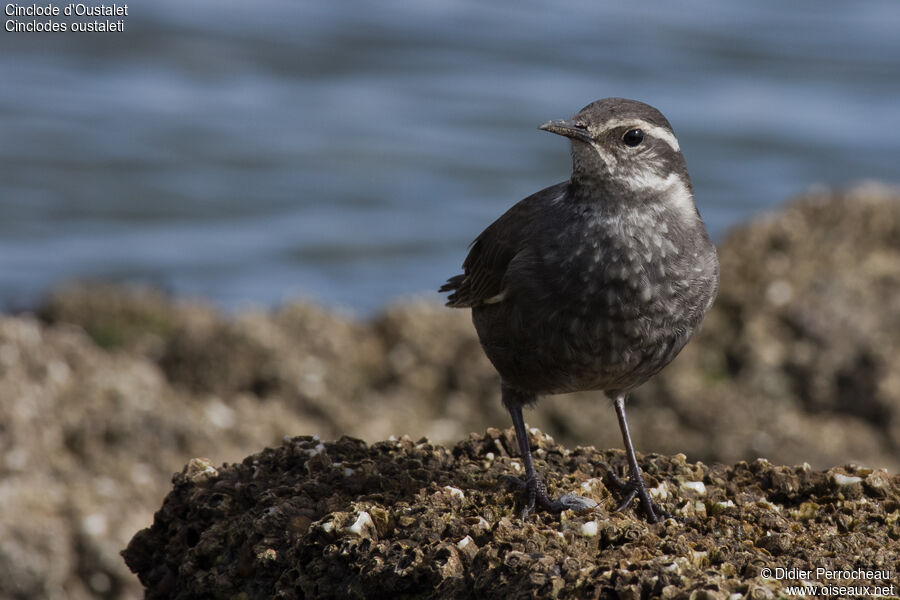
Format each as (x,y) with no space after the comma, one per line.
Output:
(485,267)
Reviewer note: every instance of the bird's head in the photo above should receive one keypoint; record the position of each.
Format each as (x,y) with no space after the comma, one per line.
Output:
(626,148)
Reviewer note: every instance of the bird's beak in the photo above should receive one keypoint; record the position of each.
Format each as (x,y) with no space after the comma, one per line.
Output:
(567,128)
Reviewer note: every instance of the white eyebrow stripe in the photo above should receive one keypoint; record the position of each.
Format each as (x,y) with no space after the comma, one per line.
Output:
(649,128)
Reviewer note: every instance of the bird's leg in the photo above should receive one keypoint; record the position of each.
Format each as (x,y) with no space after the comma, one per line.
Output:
(634,487)
(533,485)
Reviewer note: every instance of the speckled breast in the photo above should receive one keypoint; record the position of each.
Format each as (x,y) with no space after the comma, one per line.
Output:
(606,313)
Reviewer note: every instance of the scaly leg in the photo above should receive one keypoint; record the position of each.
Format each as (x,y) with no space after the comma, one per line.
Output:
(634,487)
(533,485)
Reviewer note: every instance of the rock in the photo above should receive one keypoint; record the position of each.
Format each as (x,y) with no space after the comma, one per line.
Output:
(108,390)
(379,523)
(804,336)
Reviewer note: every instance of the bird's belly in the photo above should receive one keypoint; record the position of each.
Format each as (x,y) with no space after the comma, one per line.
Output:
(576,347)
(608,328)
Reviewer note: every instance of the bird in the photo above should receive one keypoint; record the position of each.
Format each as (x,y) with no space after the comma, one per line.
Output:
(595,283)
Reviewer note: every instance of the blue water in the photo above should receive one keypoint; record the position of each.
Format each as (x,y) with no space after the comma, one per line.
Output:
(251,152)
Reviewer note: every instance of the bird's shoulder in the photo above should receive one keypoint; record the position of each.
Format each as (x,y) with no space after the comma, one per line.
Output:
(491,253)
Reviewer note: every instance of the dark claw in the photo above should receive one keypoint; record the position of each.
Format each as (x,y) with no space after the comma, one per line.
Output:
(537,495)
(627,500)
(632,488)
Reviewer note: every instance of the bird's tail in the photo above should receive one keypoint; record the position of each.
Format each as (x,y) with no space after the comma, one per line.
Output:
(452,284)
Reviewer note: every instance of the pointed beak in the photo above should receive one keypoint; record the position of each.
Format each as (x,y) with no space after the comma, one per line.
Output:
(567,128)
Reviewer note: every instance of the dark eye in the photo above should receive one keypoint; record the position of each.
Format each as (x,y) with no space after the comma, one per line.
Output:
(633,137)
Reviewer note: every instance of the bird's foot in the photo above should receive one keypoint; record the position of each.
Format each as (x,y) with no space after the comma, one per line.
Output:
(537,495)
(634,487)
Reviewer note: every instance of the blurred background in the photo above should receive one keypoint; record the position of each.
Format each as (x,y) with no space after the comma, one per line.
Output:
(235,157)
(349,151)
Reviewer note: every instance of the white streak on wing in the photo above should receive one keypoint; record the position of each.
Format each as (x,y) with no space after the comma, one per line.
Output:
(654,130)
(497,298)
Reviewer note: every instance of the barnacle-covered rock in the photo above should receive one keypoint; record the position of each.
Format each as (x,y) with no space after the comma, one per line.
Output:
(408,518)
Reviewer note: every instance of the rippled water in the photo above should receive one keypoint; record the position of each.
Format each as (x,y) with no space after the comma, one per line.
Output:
(349,151)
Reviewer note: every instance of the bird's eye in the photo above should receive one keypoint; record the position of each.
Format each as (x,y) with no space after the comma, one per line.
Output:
(633,137)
